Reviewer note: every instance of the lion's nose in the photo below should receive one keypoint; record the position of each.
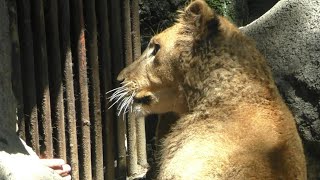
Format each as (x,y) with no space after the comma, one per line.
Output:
(121,76)
(124,74)
(130,71)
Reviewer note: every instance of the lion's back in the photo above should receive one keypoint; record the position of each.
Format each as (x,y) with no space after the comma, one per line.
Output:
(263,144)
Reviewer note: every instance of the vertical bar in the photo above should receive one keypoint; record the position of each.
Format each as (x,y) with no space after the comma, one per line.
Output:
(132,146)
(94,87)
(70,114)
(131,122)
(16,71)
(82,85)
(117,64)
(140,122)
(141,141)
(135,23)
(127,50)
(28,76)
(55,78)
(41,62)
(106,85)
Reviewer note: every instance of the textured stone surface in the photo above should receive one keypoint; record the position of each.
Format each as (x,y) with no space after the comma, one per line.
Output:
(289,36)
(7,100)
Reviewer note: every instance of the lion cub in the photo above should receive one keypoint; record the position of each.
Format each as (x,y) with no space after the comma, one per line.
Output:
(233,123)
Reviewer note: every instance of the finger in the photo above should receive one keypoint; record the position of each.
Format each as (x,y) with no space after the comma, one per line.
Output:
(65,170)
(67,177)
(53,163)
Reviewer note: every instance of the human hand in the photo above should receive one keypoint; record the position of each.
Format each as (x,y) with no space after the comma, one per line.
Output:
(59,166)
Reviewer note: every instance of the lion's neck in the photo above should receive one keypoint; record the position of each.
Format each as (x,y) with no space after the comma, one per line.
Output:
(225,83)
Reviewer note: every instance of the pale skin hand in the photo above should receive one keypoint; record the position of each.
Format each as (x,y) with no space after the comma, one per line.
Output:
(59,166)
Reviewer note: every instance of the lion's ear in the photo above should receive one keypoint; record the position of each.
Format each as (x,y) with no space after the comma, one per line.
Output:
(197,8)
(199,17)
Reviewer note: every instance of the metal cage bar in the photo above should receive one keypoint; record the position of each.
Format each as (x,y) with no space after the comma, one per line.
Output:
(70,57)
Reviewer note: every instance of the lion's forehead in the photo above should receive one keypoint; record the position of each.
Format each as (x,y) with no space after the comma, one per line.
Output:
(168,37)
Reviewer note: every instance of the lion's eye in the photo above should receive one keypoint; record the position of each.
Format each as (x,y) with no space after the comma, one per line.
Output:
(156,48)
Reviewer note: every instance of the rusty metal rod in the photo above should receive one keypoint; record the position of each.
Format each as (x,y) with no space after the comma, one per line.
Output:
(41,62)
(131,122)
(136,48)
(132,146)
(28,74)
(69,103)
(78,37)
(94,88)
(118,64)
(55,78)
(135,30)
(108,117)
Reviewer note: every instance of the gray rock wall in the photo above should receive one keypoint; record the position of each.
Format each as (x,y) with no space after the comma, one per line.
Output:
(289,36)
(7,101)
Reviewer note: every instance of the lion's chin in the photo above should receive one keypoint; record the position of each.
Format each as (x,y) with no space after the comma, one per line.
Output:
(140,111)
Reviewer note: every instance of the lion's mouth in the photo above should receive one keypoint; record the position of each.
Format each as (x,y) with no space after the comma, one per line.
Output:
(146,100)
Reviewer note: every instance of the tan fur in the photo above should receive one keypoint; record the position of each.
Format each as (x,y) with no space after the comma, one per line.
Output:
(233,123)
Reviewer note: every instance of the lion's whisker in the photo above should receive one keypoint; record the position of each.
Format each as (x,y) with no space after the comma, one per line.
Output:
(126,83)
(122,105)
(119,98)
(117,95)
(115,89)
(128,103)
(118,91)
(129,106)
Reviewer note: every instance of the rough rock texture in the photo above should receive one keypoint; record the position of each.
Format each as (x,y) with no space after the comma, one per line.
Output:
(289,36)
(7,99)
(15,163)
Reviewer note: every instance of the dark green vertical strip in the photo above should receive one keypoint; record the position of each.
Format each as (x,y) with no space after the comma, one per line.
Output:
(94,88)
(41,64)
(108,117)
(69,103)
(55,78)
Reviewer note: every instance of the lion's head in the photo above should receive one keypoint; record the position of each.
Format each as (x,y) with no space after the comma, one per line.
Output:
(153,82)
